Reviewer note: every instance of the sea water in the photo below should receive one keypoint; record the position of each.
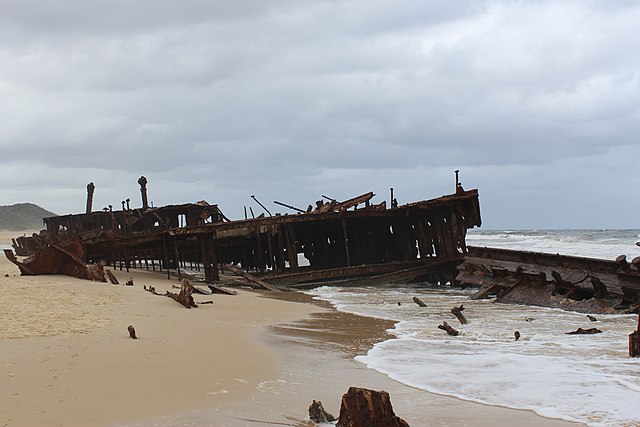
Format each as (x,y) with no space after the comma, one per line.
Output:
(585,378)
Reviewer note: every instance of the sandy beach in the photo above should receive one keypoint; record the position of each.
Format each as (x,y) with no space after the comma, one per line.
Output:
(66,358)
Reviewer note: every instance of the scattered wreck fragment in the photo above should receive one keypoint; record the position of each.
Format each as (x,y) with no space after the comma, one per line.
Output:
(65,258)
(634,340)
(449,329)
(580,284)
(362,407)
(318,414)
(185,296)
(457,311)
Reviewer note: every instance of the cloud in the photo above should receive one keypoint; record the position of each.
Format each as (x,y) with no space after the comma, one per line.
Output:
(221,100)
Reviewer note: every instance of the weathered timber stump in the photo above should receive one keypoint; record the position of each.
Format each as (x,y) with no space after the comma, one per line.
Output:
(634,340)
(419,302)
(362,407)
(446,327)
(318,415)
(457,311)
(132,332)
(581,331)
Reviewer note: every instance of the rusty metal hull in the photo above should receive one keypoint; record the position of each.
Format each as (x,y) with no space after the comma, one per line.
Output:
(579,284)
(51,258)
(333,240)
(336,240)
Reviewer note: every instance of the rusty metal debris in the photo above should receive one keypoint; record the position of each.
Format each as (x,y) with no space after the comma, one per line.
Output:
(185,296)
(65,258)
(361,407)
(634,340)
(448,329)
(132,332)
(580,284)
(318,414)
(457,311)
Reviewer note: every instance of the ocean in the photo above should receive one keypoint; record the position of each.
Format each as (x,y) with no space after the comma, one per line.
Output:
(584,378)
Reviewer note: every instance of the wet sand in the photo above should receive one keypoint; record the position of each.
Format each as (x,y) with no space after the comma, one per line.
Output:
(66,359)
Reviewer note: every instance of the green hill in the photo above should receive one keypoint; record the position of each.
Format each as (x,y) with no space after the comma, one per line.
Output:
(23,216)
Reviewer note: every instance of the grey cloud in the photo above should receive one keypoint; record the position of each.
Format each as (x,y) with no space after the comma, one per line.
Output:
(219,100)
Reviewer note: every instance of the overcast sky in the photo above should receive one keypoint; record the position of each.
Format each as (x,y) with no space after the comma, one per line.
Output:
(536,102)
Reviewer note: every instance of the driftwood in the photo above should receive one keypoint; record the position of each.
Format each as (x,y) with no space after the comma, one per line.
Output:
(129,281)
(419,302)
(581,331)
(457,311)
(634,340)
(249,277)
(318,415)
(516,334)
(132,332)
(446,327)
(368,408)
(184,297)
(205,302)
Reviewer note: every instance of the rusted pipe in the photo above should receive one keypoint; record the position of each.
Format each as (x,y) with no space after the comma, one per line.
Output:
(263,207)
(143,190)
(90,190)
(288,206)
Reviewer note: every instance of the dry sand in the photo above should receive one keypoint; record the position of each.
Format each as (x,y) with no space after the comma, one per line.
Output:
(66,359)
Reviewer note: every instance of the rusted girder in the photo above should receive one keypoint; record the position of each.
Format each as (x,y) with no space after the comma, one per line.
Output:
(551,280)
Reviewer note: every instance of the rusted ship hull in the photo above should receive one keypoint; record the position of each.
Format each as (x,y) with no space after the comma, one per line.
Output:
(579,284)
(336,240)
(50,258)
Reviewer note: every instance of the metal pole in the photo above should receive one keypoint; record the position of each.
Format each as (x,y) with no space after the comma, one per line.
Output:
(263,207)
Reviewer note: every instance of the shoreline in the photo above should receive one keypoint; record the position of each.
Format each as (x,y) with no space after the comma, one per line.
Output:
(241,360)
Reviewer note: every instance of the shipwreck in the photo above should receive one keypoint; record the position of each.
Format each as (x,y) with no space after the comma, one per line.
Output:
(348,243)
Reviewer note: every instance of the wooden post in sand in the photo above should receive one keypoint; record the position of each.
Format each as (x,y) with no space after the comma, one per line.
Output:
(634,340)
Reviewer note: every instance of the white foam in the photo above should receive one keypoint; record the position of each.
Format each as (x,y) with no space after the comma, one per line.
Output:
(605,244)
(586,378)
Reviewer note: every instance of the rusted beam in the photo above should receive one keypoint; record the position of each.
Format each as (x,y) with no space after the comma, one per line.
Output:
(90,189)
(354,201)
(249,277)
(143,192)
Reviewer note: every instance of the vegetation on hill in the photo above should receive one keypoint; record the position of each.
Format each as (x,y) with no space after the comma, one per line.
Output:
(23,216)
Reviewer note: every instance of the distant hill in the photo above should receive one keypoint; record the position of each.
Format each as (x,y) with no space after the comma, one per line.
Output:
(23,216)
